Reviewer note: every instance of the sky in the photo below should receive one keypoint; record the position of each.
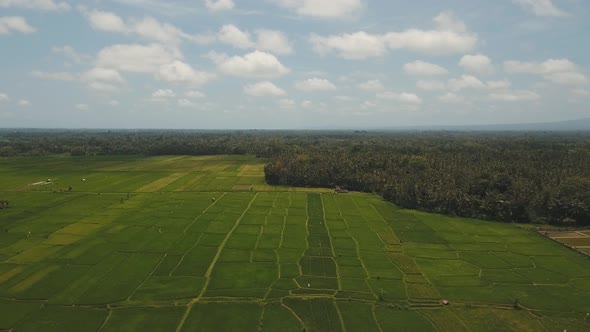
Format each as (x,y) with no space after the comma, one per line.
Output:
(292,64)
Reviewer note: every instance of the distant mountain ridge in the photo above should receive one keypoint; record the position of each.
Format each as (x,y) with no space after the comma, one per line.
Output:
(568,125)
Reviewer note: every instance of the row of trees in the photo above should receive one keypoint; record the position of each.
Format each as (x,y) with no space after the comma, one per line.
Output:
(515,177)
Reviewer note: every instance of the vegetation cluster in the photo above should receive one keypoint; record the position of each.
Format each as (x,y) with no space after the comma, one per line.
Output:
(507,176)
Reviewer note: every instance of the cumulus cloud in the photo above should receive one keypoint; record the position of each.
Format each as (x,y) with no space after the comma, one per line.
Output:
(404,97)
(450,37)
(323,9)
(100,79)
(24,103)
(371,85)
(430,85)
(9,24)
(477,64)
(286,103)
(106,21)
(465,82)
(559,71)
(514,96)
(163,93)
(4,98)
(194,94)
(180,72)
(421,68)
(315,84)
(266,40)
(256,64)
(219,5)
(49,5)
(103,79)
(498,85)
(273,41)
(451,98)
(541,8)
(184,103)
(70,53)
(148,28)
(55,76)
(263,89)
(352,46)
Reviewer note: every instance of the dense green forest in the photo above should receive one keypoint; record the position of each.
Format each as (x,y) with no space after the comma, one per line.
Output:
(506,176)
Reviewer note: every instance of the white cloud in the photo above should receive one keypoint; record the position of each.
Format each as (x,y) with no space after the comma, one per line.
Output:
(48,5)
(114,103)
(421,68)
(136,58)
(449,37)
(515,96)
(219,5)
(451,98)
(498,85)
(185,103)
(541,8)
(354,46)
(148,28)
(323,9)
(465,82)
(371,85)
(102,79)
(4,98)
(232,35)
(56,76)
(273,41)
(106,21)
(9,24)
(567,78)
(262,89)
(266,40)
(547,67)
(315,84)
(559,71)
(477,64)
(194,94)
(404,97)
(102,74)
(152,29)
(180,72)
(70,53)
(82,107)
(163,93)
(430,85)
(256,64)
(24,103)
(286,103)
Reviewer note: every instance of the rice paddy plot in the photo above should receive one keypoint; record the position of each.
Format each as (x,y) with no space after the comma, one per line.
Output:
(202,243)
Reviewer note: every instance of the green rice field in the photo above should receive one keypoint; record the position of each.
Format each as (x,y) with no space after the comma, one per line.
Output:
(180,243)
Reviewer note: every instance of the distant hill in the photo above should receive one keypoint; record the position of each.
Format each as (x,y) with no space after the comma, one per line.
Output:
(569,125)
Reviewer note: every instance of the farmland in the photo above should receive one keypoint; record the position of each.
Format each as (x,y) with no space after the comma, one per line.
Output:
(185,243)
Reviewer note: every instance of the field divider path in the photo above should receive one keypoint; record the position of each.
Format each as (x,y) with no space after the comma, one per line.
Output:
(338,278)
(212,265)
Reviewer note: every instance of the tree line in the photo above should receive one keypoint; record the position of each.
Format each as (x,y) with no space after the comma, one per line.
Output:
(507,176)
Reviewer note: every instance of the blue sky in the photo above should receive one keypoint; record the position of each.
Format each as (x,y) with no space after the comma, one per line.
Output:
(291,63)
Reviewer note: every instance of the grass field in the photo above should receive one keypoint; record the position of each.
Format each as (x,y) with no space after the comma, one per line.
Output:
(202,243)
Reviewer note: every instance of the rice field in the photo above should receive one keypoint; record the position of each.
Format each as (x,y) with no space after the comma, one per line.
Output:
(180,243)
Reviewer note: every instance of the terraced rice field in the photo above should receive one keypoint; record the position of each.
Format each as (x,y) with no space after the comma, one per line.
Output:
(203,244)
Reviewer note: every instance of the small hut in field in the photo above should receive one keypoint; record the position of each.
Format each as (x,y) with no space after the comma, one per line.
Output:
(339,190)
